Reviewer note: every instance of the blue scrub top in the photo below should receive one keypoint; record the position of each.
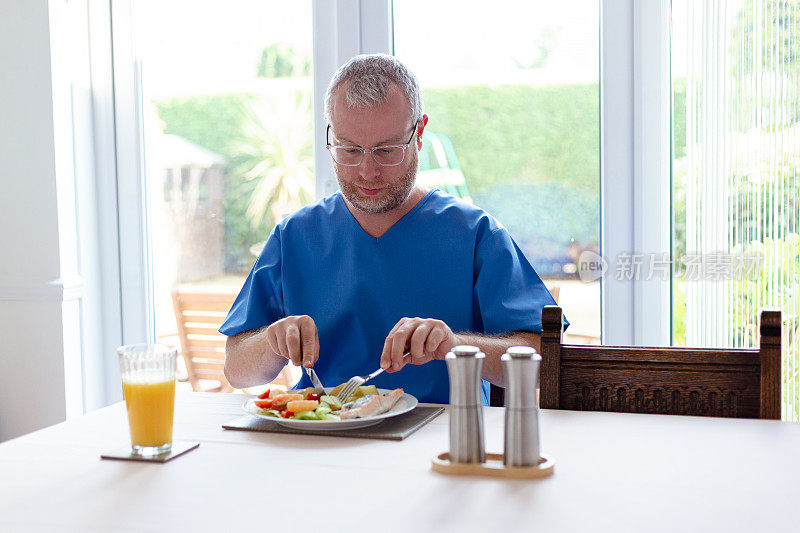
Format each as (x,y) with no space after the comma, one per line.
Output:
(444,259)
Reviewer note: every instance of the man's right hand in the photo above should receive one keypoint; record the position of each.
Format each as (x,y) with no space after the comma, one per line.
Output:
(296,339)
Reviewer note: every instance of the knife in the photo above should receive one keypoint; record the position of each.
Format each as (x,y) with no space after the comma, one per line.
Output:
(315,381)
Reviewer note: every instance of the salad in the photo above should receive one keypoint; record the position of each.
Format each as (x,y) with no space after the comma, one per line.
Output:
(307,404)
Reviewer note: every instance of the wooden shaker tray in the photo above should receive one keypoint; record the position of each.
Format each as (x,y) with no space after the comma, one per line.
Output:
(493,467)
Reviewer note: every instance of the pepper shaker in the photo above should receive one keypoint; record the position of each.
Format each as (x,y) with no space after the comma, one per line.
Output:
(521,371)
(464,364)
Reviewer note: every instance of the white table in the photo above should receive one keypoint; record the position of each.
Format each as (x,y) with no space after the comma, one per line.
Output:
(614,472)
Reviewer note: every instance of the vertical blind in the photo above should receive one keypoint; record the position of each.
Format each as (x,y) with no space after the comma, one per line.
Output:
(736,174)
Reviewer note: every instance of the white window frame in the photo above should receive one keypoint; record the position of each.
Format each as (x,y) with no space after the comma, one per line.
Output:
(136,286)
(635,170)
(106,381)
(342,29)
(634,163)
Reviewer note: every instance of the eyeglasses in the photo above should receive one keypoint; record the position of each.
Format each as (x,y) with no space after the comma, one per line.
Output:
(389,155)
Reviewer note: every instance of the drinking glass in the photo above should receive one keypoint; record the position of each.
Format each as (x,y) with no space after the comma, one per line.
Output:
(148,383)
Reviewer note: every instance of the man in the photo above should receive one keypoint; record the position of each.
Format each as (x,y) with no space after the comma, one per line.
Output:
(382,272)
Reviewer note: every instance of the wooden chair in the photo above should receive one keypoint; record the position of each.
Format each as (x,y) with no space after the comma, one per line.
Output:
(726,382)
(199,314)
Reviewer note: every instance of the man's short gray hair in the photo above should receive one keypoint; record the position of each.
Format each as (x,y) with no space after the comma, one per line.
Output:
(370,77)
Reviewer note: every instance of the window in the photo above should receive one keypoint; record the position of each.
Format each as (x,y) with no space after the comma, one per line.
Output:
(226,107)
(514,127)
(515,117)
(736,175)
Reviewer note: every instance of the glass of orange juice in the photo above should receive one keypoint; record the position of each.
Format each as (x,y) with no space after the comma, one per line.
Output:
(148,383)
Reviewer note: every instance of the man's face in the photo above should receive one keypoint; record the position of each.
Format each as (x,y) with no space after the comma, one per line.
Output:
(370,187)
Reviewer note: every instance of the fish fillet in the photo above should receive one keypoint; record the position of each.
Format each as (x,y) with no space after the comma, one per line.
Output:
(371,405)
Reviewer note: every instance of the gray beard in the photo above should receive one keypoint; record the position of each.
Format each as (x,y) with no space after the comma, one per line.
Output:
(397,194)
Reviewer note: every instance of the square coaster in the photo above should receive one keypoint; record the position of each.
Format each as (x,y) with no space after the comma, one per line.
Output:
(126,454)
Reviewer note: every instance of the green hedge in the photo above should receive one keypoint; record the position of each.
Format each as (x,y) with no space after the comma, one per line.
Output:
(213,122)
(520,134)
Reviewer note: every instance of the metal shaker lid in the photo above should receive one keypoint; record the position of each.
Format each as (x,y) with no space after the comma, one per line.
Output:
(465,350)
(519,352)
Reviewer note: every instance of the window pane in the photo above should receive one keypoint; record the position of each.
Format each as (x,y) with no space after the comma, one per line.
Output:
(514,127)
(226,100)
(736,174)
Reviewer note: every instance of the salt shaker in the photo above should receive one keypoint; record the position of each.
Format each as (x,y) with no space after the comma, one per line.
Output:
(464,365)
(521,371)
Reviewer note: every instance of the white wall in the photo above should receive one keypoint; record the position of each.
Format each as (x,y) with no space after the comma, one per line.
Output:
(32,386)
(46,215)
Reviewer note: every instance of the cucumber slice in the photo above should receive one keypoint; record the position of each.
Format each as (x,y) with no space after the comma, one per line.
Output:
(306,415)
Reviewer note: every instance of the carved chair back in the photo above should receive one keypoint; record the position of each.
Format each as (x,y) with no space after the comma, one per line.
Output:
(737,383)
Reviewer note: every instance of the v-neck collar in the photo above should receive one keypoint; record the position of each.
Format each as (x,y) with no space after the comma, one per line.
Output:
(391,229)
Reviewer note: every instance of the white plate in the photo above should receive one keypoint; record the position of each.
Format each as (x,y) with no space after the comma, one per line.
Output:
(403,405)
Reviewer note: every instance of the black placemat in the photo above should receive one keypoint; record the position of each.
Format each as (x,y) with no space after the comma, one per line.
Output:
(395,428)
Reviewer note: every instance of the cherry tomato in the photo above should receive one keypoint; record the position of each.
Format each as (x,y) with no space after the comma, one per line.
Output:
(312,396)
(264,395)
(286,414)
(264,404)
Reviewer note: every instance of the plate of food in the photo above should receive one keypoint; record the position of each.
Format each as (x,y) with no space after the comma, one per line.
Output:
(306,409)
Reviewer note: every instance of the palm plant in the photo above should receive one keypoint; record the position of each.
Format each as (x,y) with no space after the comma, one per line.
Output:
(276,153)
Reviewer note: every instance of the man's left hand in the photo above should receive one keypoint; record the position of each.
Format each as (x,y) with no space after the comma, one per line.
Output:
(423,339)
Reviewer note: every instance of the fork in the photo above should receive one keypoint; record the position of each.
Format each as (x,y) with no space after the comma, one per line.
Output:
(356,381)
(315,381)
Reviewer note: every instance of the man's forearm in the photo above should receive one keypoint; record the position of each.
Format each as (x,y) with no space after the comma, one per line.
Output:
(249,360)
(495,347)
